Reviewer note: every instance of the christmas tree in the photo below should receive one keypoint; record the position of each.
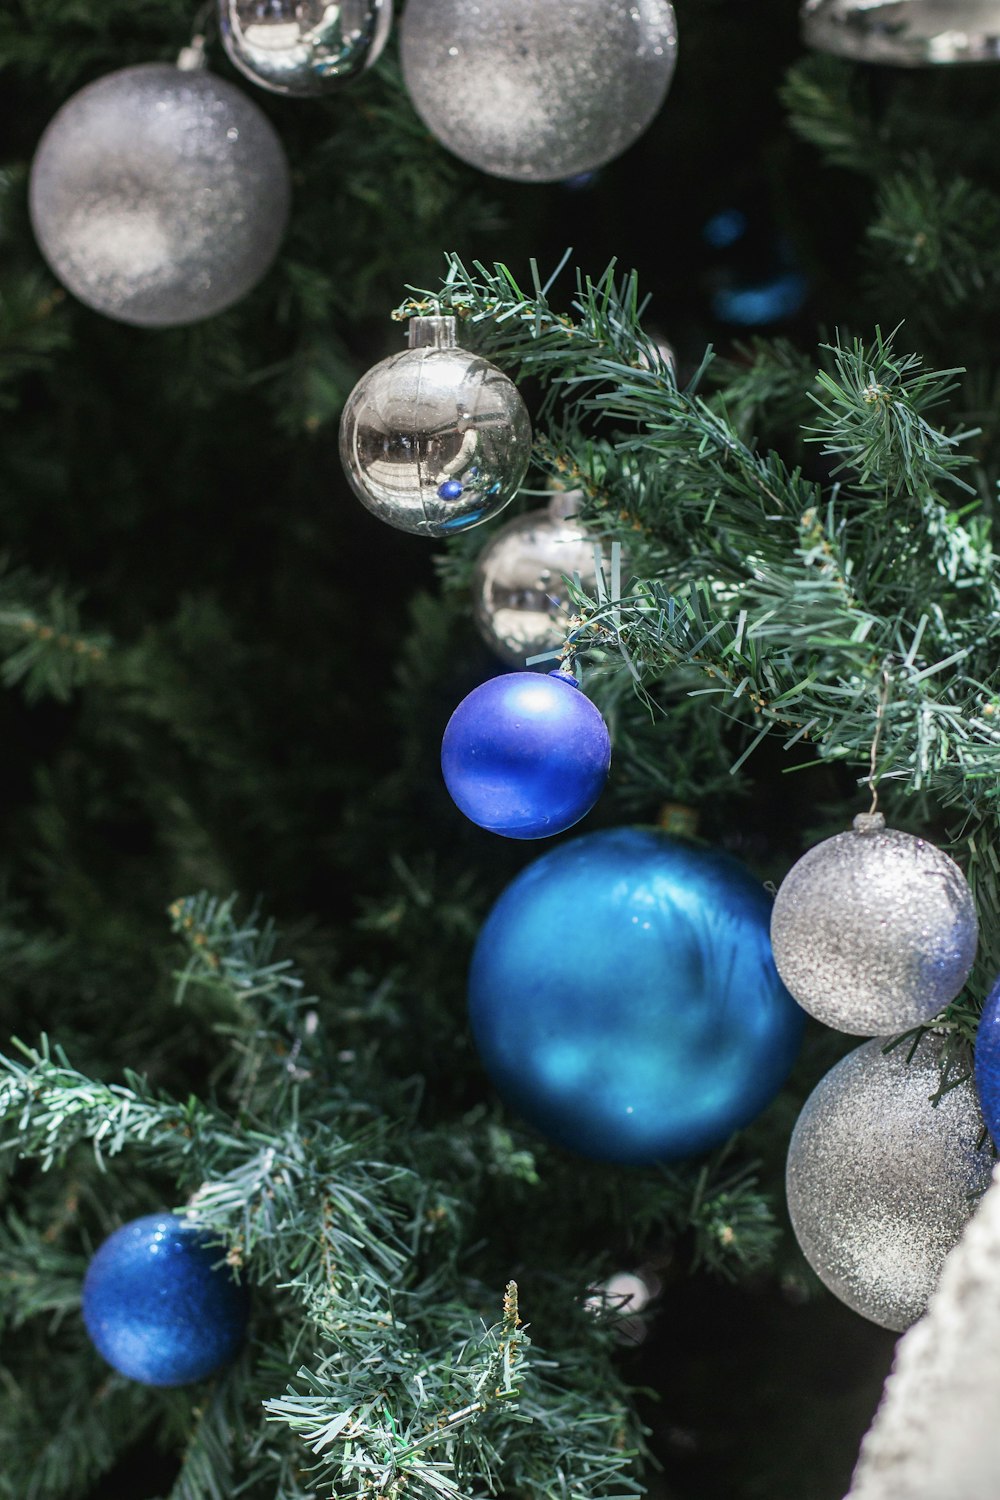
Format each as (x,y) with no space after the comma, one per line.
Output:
(238,903)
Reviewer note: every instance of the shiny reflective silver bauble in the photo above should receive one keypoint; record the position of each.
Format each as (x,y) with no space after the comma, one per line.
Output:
(874,931)
(905,33)
(158,195)
(537,90)
(304,47)
(880,1182)
(435,439)
(519,596)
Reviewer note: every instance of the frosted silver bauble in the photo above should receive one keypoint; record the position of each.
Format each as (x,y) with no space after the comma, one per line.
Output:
(874,931)
(519,596)
(538,90)
(905,33)
(159,196)
(303,47)
(435,439)
(880,1182)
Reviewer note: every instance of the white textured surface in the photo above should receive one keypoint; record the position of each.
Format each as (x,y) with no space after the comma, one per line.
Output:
(936,1435)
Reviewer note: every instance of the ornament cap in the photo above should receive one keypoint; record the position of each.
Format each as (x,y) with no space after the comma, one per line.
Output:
(872,822)
(437,332)
(192,57)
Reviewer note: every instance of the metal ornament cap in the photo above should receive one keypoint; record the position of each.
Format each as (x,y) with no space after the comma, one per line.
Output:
(159,195)
(435,439)
(303,48)
(905,33)
(525,755)
(874,931)
(880,1182)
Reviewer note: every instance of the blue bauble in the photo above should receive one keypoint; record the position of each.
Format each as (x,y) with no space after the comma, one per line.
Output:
(624,999)
(988,1062)
(526,755)
(159,1307)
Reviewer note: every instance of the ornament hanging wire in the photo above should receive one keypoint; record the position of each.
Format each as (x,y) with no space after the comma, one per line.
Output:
(883,703)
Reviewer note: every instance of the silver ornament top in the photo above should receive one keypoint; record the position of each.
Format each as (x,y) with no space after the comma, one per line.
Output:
(304,47)
(874,931)
(537,92)
(159,195)
(905,33)
(880,1182)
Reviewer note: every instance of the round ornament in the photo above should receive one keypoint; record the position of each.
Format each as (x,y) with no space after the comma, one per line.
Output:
(526,755)
(435,439)
(159,1307)
(880,1182)
(874,930)
(988,1061)
(624,1001)
(159,195)
(303,48)
(534,90)
(519,598)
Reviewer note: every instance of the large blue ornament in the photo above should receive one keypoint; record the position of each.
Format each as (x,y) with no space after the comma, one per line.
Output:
(526,755)
(624,999)
(988,1062)
(158,1306)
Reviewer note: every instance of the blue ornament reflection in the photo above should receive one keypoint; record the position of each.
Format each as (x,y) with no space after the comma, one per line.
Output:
(988,1062)
(624,999)
(157,1305)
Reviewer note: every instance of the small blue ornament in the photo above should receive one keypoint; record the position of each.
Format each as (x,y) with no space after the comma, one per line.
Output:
(526,755)
(451,489)
(988,1062)
(159,1307)
(624,1000)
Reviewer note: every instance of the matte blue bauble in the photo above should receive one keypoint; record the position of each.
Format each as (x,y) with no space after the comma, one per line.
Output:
(988,1062)
(526,755)
(624,999)
(159,1307)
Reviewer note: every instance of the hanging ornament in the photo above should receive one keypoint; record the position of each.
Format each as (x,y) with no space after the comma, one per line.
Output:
(880,1182)
(159,195)
(158,1306)
(303,47)
(526,755)
(435,439)
(874,930)
(624,1001)
(988,1061)
(519,597)
(905,33)
(536,91)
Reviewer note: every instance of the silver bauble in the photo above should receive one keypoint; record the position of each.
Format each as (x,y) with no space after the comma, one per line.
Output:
(874,931)
(880,1182)
(304,47)
(519,597)
(905,33)
(537,90)
(435,439)
(158,195)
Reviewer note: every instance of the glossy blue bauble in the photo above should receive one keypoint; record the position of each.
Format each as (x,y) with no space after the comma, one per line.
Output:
(988,1062)
(624,999)
(159,1307)
(526,755)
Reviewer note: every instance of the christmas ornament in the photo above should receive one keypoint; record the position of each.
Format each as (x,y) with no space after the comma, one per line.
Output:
(526,755)
(303,47)
(519,598)
(752,278)
(874,931)
(906,33)
(624,1001)
(435,439)
(159,195)
(880,1182)
(988,1061)
(534,90)
(159,1307)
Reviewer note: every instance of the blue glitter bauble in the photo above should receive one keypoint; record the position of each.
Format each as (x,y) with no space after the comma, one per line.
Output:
(988,1062)
(159,1307)
(526,755)
(624,999)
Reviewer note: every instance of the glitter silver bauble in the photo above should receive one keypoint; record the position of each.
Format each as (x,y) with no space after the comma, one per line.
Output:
(304,47)
(905,33)
(880,1182)
(435,439)
(519,598)
(159,195)
(874,931)
(537,90)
